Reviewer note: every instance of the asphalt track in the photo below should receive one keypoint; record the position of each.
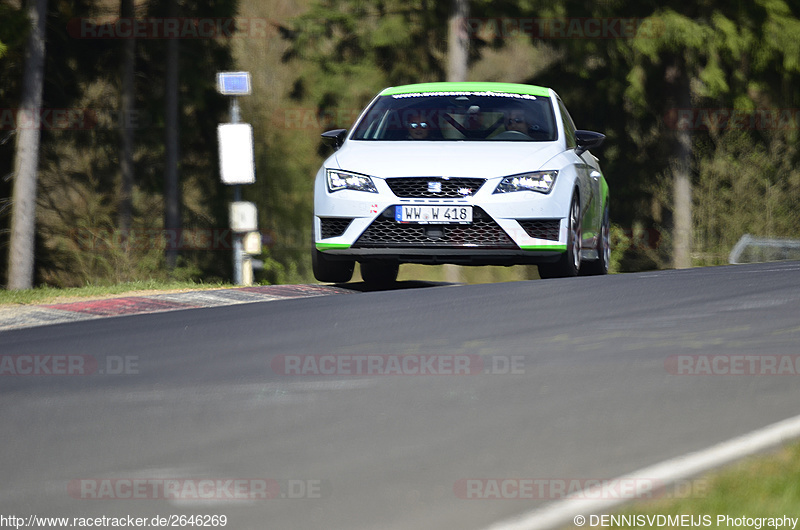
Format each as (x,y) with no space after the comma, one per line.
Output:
(597,394)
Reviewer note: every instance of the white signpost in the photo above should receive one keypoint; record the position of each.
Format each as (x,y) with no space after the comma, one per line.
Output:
(243,216)
(236,153)
(237,167)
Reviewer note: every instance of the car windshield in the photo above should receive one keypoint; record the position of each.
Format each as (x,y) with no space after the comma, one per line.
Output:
(467,116)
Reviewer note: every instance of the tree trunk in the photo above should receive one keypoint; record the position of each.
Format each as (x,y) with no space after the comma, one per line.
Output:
(457,60)
(682,182)
(458,41)
(127,99)
(171,189)
(682,175)
(26,160)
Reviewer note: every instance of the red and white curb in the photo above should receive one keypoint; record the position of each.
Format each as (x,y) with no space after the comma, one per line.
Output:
(16,317)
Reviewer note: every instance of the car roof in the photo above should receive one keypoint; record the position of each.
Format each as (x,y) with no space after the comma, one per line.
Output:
(468,86)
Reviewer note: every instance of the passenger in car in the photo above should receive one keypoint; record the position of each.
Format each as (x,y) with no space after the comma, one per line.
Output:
(418,128)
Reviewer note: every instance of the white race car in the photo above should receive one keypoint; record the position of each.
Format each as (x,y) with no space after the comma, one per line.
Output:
(463,173)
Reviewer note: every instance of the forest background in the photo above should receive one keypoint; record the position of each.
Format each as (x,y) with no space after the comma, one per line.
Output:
(700,96)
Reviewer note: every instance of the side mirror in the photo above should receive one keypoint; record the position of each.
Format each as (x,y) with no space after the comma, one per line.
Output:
(588,140)
(336,136)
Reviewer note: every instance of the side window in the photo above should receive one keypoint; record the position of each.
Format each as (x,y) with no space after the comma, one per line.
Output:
(569,126)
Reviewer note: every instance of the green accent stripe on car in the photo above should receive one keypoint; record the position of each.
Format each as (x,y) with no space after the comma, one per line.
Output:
(331,246)
(506,88)
(558,248)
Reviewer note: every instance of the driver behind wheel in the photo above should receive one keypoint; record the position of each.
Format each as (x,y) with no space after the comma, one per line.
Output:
(524,120)
(516,120)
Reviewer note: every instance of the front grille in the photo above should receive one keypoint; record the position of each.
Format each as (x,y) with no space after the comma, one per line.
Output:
(333,226)
(420,187)
(541,228)
(483,232)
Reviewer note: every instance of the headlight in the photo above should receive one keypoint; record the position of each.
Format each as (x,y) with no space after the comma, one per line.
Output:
(541,181)
(345,180)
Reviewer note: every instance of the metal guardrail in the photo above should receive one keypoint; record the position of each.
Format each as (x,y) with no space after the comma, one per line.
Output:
(764,249)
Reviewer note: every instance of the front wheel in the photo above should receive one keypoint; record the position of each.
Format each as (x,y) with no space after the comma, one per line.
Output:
(331,271)
(569,264)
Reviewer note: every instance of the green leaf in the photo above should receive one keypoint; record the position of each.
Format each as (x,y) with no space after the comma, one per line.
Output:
(392,30)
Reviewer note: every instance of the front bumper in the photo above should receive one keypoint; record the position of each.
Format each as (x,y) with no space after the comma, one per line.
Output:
(507,229)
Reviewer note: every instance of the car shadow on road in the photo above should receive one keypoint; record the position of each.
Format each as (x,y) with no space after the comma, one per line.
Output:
(363,287)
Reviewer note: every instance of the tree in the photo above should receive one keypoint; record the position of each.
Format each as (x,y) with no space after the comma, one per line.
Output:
(677,50)
(172,214)
(23,221)
(715,56)
(78,186)
(680,57)
(127,106)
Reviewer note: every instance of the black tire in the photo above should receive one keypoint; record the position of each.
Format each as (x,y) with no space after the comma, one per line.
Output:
(599,266)
(379,273)
(569,264)
(331,271)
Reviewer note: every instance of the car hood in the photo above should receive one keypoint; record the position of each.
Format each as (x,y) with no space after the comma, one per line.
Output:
(463,159)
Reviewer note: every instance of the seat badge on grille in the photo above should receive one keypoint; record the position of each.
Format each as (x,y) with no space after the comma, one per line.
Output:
(434,186)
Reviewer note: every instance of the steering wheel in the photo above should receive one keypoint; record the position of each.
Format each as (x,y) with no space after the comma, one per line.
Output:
(511,135)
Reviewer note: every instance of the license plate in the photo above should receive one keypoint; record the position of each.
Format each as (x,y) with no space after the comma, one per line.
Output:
(439,215)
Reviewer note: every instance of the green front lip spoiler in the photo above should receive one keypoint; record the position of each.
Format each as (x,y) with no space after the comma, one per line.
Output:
(331,246)
(557,248)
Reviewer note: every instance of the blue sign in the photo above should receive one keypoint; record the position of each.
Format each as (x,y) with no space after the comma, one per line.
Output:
(233,83)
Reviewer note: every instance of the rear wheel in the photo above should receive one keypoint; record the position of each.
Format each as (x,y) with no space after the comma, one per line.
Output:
(600,265)
(379,273)
(331,271)
(569,263)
